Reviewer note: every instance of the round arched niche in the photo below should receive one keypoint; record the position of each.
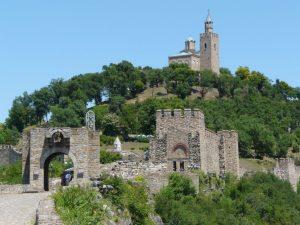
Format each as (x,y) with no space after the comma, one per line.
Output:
(180,151)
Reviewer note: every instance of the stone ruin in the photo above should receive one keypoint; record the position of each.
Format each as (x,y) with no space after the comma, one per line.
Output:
(183,142)
(286,170)
(41,145)
(9,155)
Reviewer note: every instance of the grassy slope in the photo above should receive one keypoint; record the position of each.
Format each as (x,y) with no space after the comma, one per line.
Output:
(161,92)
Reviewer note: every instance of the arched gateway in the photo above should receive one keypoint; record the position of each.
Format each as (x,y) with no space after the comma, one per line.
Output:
(40,145)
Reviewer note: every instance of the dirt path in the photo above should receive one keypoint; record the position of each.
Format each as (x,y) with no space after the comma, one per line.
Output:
(19,209)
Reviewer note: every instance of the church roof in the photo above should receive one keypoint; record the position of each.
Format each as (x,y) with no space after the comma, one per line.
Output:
(182,54)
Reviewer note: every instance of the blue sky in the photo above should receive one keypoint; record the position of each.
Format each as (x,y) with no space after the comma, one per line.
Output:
(43,40)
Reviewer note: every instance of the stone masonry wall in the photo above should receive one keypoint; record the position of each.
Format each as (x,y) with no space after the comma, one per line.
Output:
(8,155)
(212,141)
(209,55)
(285,169)
(194,147)
(231,151)
(182,139)
(155,174)
(80,144)
(176,125)
(158,149)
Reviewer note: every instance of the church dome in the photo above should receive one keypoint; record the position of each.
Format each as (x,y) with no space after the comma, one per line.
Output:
(190,39)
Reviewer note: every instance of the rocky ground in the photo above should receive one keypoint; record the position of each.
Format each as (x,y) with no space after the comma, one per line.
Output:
(19,209)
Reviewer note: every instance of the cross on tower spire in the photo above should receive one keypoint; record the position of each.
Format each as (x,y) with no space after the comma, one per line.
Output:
(208,23)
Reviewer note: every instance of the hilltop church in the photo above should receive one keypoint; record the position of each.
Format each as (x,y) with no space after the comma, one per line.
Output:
(208,56)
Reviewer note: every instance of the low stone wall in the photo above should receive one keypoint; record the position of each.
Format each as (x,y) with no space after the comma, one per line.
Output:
(14,189)
(155,174)
(46,214)
(8,155)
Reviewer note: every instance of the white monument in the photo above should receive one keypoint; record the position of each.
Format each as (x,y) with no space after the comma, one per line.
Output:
(117,145)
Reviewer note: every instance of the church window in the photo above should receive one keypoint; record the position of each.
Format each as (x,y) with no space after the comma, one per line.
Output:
(215,45)
(205,46)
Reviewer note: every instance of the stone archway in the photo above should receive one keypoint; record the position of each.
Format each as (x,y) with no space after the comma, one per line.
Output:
(42,144)
(45,163)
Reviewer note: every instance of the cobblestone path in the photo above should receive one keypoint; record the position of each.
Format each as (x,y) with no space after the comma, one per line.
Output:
(19,209)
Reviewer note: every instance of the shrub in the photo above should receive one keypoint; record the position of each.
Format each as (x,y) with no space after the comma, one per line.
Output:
(107,140)
(77,205)
(11,174)
(255,199)
(109,157)
(130,196)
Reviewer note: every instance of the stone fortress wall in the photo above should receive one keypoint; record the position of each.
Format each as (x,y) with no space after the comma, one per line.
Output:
(183,142)
(286,170)
(40,146)
(9,155)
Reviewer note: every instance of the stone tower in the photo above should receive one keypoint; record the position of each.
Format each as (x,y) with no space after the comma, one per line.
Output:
(190,45)
(209,47)
(183,142)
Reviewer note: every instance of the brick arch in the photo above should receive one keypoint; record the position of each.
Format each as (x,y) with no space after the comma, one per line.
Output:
(183,147)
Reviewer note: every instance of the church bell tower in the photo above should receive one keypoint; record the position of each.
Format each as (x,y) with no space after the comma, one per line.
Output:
(209,48)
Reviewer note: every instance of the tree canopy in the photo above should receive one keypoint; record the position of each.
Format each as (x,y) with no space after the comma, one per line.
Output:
(266,114)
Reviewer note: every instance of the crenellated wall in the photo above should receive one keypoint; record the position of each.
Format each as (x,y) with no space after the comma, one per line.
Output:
(8,155)
(183,141)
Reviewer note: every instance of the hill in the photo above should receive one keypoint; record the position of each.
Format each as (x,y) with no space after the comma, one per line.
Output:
(266,114)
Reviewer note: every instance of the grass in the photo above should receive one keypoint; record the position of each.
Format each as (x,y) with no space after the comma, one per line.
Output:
(11,174)
(161,92)
(129,146)
(257,165)
(78,205)
(109,157)
(84,205)
(157,92)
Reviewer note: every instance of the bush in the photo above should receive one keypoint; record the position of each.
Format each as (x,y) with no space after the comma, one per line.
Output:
(257,199)
(107,140)
(11,174)
(77,205)
(130,196)
(109,157)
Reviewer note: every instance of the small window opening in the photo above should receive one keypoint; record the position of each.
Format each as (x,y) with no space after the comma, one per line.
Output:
(205,46)
(174,166)
(181,166)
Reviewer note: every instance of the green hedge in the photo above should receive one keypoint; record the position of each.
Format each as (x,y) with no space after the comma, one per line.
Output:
(109,157)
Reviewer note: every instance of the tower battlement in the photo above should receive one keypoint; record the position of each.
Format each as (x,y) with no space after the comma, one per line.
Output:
(285,161)
(228,133)
(205,35)
(178,113)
